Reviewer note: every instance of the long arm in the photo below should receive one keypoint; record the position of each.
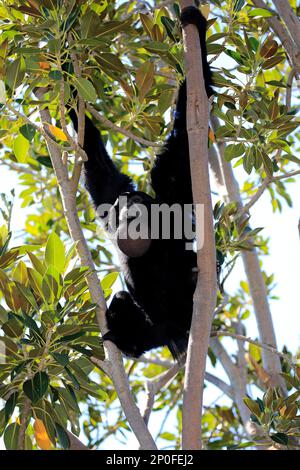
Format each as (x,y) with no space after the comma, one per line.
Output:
(171,177)
(103,180)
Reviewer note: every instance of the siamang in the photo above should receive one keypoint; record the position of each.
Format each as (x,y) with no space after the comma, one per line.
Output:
(160,274)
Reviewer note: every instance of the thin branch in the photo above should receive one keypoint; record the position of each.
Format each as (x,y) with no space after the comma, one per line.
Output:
(289,88)
(117,370)
(109,125)
(42,130)
(24,423)
(266,182)
(103,365)
(155,385)
(252,341)
(155,361)
(223,386)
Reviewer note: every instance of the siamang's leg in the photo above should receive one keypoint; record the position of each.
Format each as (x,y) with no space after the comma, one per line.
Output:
(102,178)
(129,327)
(171,177)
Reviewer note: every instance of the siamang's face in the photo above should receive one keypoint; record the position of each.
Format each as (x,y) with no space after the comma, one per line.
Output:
(129,219)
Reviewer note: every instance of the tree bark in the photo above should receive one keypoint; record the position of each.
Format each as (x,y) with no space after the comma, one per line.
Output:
(205,293)
(289,18)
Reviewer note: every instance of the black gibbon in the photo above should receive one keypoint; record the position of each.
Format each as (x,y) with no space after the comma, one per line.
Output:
(159,273)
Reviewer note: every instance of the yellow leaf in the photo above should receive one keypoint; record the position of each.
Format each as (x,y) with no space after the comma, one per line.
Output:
(41,436)
(44,65)
(57,132)
(211,135)
(205,9)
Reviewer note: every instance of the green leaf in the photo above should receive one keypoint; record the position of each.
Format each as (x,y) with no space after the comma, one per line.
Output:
(21,147)
(169,26)
(248,161)
(280,438)
(168,436)
(55,75)
(27,294)
(2,421)
(262,12)
(10,406)
(85,89)
(67,330)
(252,405)
(144,79)
(238,5)
(62,436)
(73,378)
(147,23)
(27,131)
(45,161)
(55,253)
(156,47)
(109,280)
(68,398)
(267,162)
(11,436)
(110,63)
(36,387)
(13,328)
(62,359)
(233,151)
(15,73)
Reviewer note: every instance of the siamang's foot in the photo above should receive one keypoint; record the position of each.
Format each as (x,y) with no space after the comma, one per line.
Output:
(129,328)
(191,15)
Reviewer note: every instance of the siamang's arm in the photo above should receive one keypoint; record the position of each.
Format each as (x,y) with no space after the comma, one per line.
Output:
(171,178)
(102,178)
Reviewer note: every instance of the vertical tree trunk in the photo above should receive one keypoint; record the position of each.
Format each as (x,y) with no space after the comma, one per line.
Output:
(205,293)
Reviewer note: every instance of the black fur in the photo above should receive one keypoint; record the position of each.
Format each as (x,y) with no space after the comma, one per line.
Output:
(157,308)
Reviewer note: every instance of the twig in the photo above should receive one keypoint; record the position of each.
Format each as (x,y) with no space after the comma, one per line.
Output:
(154,386)
(252,341)
(223,386)
(155,361)
(42,130)
(109,125)
(23,423)
(103,365)
(266,182)
(289,88)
